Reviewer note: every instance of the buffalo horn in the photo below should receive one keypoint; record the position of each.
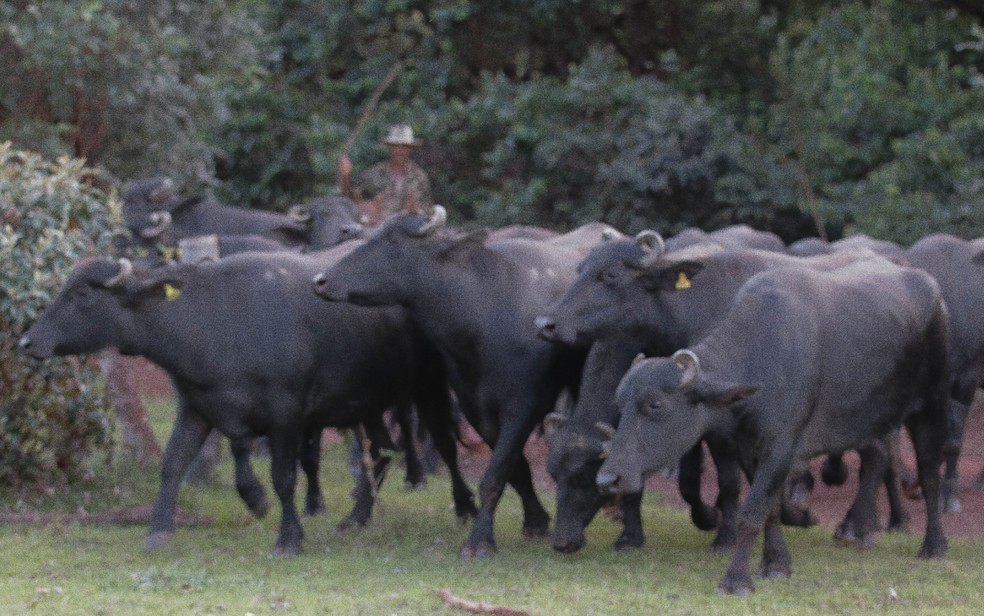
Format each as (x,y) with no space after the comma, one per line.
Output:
(126,268)
(608,234)
(652,245)
(637,360)
(163,192)
(609,432)
(159,221)
(552,422)
(437,220)
(300,213)
(687,361)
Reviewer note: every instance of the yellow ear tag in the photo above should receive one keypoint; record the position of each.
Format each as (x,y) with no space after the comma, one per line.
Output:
(682,282)
(171,292)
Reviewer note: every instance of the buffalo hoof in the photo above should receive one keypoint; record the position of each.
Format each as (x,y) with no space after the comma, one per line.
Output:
(286,551)
(739,587)
(900,525)
(800,517)
(158,539)
(934,549)
(951,504)
(568,547)
(260,508)
(535,533)
(723,544)
(705,518)
(348,526)
(775,570)
(848,533)
(415,486)
(627,544)
(314,507)
(483,549)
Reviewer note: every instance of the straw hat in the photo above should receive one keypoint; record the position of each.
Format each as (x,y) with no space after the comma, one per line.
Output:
(402,134)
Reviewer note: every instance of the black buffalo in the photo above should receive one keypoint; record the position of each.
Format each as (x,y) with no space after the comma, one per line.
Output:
(631,297)
(958,267)
(476,300)
(252,351)
(805,362)
(154,212)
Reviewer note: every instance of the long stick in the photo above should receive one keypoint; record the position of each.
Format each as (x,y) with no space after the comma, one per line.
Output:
(371,106)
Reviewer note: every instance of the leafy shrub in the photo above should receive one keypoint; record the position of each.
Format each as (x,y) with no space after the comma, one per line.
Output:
(52,414)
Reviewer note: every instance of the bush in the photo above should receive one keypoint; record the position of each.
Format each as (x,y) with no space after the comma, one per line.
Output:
(52,414)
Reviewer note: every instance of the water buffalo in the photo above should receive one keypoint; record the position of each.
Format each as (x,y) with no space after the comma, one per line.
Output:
(252,351)
(476,300)
(958,267)
(805,362)
(633,297)
(154,212)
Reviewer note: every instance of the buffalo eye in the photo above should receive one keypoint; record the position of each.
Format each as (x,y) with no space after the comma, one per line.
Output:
(82,295)
(649,406)
(609,276)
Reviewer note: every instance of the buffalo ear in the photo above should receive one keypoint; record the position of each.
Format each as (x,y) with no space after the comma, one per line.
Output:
(674,277)
(463,245)
(726,394)
(146,290)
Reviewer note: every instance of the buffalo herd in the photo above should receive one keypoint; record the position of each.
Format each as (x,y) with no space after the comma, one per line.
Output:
(634,353)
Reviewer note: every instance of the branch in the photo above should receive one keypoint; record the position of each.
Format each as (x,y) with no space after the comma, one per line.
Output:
(476,607)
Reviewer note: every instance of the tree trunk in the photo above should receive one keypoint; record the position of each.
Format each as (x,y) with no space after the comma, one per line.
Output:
(135,430)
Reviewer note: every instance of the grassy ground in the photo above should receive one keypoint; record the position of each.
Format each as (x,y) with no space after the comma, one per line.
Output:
(409,553)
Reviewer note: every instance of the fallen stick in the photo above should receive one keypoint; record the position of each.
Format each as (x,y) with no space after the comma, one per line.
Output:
(476,607)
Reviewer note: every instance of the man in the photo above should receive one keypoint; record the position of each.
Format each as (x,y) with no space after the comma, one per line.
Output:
(391,186)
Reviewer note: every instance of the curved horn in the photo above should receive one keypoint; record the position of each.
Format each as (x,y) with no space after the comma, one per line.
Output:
(609,432)
(300,213)
(160,221)
(608,234)
(163,192)
(638,359)
(652,245)
(126,268)
(687,361)
(552,422)
(437,220)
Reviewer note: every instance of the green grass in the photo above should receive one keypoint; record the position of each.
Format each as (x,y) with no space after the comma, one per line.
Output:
(409,552)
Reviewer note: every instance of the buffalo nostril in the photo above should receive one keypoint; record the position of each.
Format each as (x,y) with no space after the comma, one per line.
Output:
(546,327)
(320,280)
(24,344)
(608,482)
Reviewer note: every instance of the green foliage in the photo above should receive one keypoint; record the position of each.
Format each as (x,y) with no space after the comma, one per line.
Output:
(51,414)
(131,85)
(880,105)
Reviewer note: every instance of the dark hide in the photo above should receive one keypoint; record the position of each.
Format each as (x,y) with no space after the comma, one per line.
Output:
(804,363)
(476,301)
(252,351)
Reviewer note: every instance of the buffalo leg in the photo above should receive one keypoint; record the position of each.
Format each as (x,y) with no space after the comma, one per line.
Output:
(186,439)
(314,501)
(703,516)
(202,468)
(632,537)
(980,481)
(435,412)
(370,475)
(860,525)
(729,492)
(415,478)
(898,519)
(957,416)
(249,487)
(284,445)
(767,483)
(928,438)
(507,462)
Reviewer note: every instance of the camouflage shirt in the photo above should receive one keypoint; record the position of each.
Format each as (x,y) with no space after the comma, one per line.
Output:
(413,193)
